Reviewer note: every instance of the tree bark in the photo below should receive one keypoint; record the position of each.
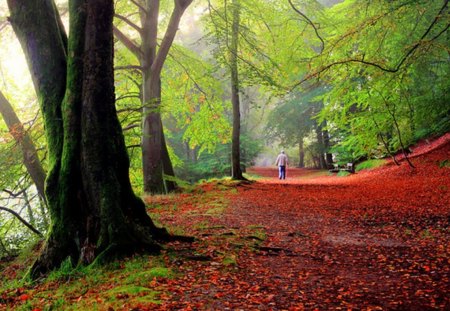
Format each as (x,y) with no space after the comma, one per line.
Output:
(95,214)
(30,156)
(236,172)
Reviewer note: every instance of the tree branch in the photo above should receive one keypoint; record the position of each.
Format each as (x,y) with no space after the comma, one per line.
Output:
(14,195)
(129,23)
(380,66)
(128,67)
(133,48)
(130,126)
(172,28)
(26,223)
(134,146)
(311,23)
(139,6)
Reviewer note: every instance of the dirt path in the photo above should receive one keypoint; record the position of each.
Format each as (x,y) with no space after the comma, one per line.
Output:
(373,241)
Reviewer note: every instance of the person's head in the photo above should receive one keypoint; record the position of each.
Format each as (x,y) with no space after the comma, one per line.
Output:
(282,151)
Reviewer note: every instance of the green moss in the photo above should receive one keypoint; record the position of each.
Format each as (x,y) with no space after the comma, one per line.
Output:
(146,276)
(229,260)
(369,164)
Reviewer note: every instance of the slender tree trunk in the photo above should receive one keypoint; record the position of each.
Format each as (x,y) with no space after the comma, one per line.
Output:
(236,172)
(320,147)
(30,155)
(301,152)
(326,144)
(95,214)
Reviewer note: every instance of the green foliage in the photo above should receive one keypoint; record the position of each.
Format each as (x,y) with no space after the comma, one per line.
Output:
(343,173)
(369,164)
(388,71)
(217,164)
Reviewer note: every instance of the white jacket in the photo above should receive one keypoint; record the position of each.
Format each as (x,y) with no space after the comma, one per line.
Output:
(282,160)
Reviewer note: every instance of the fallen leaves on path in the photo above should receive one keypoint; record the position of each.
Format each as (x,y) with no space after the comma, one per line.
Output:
(375,240)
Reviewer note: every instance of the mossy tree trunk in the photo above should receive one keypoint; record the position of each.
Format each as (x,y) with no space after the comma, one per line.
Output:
(95,214)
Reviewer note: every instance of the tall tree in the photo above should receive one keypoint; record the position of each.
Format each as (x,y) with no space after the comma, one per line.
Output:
(95,214)
(155,157)
(236,171)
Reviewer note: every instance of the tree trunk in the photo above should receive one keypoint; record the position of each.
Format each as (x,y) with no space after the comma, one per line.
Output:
(156,160)
(320,147)
(167,164)
(301,153)
(236,172)
(95,214)
(326,145)
(30,156)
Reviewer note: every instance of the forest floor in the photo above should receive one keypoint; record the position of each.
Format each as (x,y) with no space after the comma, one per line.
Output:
(375,240)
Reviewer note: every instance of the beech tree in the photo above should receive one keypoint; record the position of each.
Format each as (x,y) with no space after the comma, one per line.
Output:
(155,158)
(95,214)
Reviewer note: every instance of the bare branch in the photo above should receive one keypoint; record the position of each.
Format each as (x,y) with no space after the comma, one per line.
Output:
(128,67)
(134,146)
(14,195)
(130,126)
(127,42)
(26,223)
(139,6)
(129,23)
(128,96)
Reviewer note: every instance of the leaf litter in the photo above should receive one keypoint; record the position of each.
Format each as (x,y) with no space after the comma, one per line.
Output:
(375,240)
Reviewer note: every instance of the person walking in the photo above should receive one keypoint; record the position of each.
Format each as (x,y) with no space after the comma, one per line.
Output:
(282,162)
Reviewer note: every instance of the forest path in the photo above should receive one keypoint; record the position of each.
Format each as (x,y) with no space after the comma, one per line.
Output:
(376,240)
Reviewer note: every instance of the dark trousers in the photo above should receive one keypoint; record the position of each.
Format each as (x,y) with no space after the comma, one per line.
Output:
(282,172)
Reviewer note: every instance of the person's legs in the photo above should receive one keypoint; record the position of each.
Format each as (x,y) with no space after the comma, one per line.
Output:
(282,172)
